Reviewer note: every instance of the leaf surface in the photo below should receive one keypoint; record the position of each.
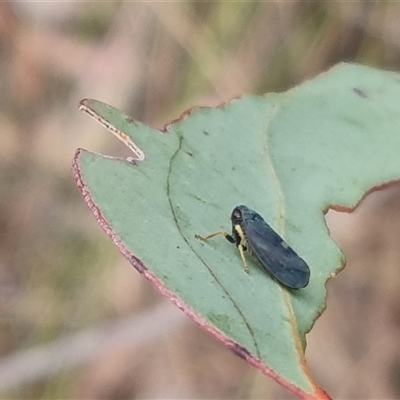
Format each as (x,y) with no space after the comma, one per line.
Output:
(288,156)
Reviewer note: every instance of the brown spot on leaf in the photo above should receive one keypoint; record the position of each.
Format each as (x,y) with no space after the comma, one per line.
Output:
(241,351)
(360,92)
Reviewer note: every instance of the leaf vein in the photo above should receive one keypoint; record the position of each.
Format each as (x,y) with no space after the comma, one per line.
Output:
(248,326)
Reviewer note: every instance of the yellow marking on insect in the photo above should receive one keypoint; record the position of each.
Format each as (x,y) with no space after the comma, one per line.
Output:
(239,230)
(242,246)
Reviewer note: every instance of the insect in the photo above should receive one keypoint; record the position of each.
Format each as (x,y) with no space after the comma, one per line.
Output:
(251,232)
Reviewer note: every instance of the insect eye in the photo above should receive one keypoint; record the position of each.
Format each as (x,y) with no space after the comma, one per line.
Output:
(237,214)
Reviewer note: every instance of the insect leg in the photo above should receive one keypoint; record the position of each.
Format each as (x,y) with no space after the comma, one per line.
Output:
(241,250)
(226,234)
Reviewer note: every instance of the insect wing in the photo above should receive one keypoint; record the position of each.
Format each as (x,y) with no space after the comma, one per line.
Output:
(275,254)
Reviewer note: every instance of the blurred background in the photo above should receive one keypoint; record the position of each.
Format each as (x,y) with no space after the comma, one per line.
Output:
(76,320)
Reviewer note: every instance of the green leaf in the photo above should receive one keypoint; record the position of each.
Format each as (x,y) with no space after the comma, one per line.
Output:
(288,156)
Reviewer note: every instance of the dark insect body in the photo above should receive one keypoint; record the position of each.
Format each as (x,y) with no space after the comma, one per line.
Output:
(251,232)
